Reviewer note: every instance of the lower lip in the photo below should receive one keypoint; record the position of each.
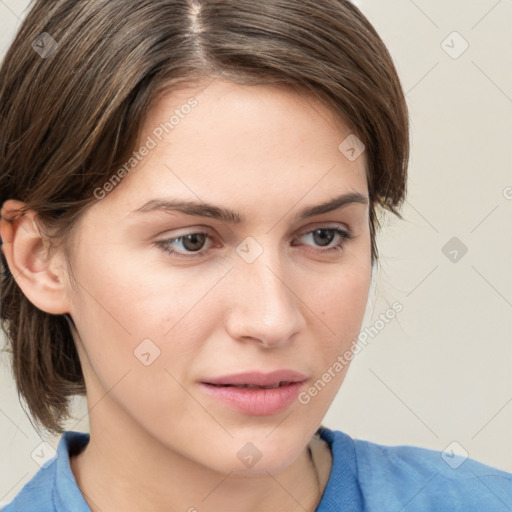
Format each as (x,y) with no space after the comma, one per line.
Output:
(257,402)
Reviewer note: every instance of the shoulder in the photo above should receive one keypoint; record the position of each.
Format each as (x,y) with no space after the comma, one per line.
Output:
(36,494)
(53,483)
(411,478)
(416,477)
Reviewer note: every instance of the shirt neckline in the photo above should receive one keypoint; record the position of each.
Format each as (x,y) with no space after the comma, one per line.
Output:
(342,491)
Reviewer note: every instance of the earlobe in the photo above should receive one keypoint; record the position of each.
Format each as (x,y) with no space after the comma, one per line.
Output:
(25,249)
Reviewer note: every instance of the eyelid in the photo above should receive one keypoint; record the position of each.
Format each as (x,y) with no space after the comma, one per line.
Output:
(302,231)
(340,230)
(325,225)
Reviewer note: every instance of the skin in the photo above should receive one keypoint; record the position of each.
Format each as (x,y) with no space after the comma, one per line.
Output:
(266,153)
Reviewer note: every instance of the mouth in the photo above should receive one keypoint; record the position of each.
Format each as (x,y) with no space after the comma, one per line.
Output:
(256,393)
(257,379)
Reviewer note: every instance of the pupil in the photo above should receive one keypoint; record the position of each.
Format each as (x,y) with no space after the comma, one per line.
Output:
(195,245)
(322,239)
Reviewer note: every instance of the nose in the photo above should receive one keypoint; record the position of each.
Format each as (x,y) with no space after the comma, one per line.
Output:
(262,305)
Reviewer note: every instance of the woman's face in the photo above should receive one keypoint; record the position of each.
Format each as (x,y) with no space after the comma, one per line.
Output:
(262,294)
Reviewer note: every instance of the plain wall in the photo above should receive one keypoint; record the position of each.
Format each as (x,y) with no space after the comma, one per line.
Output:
(440,371)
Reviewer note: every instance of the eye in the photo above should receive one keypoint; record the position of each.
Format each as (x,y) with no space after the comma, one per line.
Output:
(325,235)
(193,243)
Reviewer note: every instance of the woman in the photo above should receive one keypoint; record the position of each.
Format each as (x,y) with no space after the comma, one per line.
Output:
(189,194)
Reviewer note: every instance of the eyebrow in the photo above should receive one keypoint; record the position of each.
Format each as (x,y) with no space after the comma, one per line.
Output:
(227,215)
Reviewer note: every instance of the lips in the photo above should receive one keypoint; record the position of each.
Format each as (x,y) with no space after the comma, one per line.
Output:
(258,380)
(255,393)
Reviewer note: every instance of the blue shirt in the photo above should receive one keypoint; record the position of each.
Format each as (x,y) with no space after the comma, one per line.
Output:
(365,477)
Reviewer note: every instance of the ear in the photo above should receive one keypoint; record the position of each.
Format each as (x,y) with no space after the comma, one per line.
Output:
(41,279)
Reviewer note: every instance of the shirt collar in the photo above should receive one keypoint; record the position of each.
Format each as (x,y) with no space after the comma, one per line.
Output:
(66,493)
(342,491)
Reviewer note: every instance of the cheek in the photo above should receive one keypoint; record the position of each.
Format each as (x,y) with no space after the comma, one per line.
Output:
(342,303)
(126,309)
(141,331)
(340,300)
(127,291)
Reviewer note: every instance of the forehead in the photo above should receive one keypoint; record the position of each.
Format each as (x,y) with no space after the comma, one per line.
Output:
(223,141)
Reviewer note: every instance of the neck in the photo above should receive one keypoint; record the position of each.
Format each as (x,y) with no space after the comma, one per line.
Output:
(132,472)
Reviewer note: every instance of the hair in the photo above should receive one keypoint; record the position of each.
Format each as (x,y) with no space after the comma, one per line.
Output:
(69,119)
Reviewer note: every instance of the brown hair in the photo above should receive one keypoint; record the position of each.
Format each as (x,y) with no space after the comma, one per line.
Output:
(70,118)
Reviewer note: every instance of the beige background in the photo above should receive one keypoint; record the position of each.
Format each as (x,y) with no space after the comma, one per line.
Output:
(439,372)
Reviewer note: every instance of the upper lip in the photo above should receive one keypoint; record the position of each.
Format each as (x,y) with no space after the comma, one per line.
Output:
(257,378)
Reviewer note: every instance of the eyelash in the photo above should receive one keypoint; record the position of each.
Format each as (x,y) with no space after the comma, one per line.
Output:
(165,244)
